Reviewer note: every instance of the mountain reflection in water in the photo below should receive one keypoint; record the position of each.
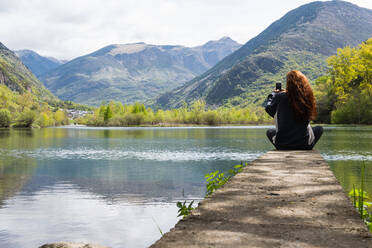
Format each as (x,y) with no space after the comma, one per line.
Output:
(114,186)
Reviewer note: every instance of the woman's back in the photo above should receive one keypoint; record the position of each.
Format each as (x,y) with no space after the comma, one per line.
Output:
(293,109)
(290,133)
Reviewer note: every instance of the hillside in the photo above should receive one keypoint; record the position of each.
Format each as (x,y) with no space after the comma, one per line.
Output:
(18,78)
(302,39)
(133,72)
(38,64)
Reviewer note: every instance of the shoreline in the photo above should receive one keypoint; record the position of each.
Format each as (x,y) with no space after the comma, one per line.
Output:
(169,125)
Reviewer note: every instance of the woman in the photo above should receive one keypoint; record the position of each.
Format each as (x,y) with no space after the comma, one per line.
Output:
(292,110)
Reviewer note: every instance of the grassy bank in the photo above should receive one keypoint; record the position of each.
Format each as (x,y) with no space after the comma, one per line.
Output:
(117,115)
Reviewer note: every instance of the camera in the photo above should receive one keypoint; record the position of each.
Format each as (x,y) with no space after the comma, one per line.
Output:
(278,86)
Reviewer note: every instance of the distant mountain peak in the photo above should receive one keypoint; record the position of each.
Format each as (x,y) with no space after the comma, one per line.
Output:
(220,43)
(223,40)
(24,51)
(36,63)
(226,38)
(128,48)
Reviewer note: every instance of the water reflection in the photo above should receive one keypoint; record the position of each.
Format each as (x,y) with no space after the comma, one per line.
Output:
(69,214)
(111,180)
(14,173)
(348,173)
(345,148)
(79,184)
(4,132)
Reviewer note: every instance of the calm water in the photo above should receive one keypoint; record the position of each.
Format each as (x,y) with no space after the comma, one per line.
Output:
(116,186)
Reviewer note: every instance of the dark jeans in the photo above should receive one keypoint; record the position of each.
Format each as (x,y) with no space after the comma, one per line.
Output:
(318,131)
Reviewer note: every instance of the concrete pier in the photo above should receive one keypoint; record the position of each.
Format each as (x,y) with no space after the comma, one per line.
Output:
(282,199)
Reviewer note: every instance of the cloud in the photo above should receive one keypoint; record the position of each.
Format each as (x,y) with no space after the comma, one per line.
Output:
(71,28)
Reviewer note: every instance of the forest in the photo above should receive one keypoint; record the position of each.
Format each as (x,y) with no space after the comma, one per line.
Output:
(27,110)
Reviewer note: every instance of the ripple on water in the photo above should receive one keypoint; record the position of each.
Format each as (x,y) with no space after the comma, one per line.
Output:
(353,157)
(94,154)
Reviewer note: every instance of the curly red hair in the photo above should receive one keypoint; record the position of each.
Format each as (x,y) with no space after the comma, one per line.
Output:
(301,96)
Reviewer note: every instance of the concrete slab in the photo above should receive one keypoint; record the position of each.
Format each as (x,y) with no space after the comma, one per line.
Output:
(282,199)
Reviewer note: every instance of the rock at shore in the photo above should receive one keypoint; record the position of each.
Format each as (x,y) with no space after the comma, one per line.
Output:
(71,245)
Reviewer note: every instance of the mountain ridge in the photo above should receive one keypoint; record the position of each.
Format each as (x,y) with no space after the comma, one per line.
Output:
(36,63)
(17,77)
(133,72)
(302,39)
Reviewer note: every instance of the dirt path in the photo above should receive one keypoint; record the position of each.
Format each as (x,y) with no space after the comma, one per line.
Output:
(282,199)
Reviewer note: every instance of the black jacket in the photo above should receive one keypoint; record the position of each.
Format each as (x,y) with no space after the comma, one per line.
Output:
(291,134)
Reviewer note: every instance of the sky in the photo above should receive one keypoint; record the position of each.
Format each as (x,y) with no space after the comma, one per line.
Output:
(66,29)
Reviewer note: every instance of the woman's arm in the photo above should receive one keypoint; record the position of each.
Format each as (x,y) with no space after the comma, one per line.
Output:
(272,104)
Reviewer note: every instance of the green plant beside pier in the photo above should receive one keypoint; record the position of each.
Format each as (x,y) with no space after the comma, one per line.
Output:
(360,200)
(214,181)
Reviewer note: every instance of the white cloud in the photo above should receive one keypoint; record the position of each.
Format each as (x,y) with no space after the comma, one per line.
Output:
(71,28)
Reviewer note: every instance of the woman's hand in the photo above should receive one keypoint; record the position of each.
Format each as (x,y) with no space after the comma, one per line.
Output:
(277,91)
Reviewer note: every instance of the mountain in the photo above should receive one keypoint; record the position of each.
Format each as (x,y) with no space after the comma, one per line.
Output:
(38,64)
(133,72)
(15,75)
(302,39)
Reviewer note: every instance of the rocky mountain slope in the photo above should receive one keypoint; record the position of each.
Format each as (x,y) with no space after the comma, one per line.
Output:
(15,75)
(302,39)
(38,64)
(133,72)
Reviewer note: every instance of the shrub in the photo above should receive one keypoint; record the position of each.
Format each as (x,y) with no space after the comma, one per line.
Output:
(356,110)
(211,118)
(26,119)
(134,119)
(117,121)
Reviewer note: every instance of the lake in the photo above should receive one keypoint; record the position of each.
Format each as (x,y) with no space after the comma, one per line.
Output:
(119,186)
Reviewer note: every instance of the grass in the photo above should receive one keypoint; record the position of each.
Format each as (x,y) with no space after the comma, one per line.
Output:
(161,232)
(360,200)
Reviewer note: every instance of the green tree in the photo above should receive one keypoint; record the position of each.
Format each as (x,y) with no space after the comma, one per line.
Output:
(138,108)
(197,108)
(108,114)
(102,111)
(60,117)
(3,100)
(344,95)
(326,98)
(25,100)
(5,118)
(44,120)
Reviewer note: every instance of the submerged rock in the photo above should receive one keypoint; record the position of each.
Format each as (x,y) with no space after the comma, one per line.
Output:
(71,245)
